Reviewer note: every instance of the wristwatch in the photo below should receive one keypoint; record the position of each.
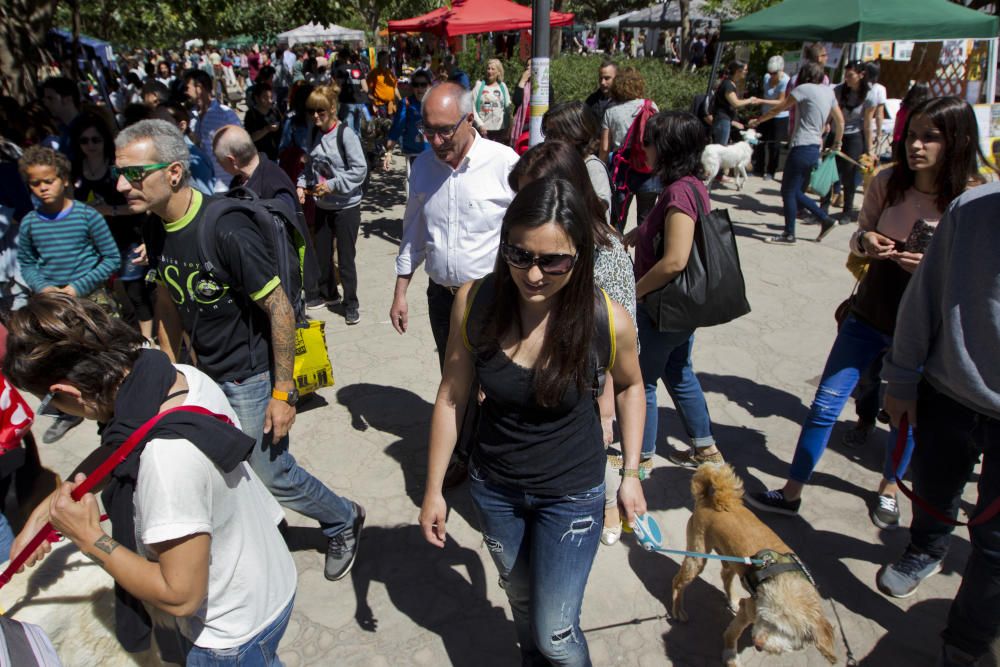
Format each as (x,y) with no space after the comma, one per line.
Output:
(290,397)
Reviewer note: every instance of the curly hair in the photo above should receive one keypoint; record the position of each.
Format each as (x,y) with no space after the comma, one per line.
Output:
(42,156)
(628,85)
(59,338)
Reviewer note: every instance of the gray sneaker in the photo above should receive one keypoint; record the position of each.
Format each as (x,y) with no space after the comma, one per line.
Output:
(343,547)
(885,512)
(60,427)
(901,579)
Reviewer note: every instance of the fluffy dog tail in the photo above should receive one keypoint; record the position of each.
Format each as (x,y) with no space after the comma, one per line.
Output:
(717,486)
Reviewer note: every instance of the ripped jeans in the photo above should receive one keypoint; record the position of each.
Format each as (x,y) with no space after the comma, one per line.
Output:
(543,548)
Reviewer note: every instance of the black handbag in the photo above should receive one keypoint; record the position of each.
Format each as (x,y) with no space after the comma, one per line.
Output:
(710,290)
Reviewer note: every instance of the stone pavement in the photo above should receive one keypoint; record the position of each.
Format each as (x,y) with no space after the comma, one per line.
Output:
(407,603)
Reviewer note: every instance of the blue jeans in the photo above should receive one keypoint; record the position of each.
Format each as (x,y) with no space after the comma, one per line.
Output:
(287,481)
(6,538)
(666,355)
(798,167)
(352,114)
(543,548)
(260,651)
(722,126)
(857,345)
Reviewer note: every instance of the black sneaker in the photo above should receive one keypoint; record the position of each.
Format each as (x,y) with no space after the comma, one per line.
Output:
(885,513)
(315,304)
(773,501)
(335,301)
(826,226)
(858,435)
(781,239)
(352,316)
(343,547)
(60,427)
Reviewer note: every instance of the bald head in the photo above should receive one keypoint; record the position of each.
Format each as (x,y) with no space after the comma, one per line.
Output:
(234,149)
(448,97)
(447,118)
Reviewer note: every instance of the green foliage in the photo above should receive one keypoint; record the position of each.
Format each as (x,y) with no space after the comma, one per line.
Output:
(574,77)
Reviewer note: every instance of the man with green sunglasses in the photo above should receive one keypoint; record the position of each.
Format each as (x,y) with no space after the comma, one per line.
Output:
(242,333)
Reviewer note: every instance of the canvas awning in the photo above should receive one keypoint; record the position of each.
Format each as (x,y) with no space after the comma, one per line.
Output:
(468,17)
(852,21)
(613,22)
(668,15)
(317,32)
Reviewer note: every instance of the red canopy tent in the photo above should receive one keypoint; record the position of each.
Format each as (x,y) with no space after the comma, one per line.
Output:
(466,17)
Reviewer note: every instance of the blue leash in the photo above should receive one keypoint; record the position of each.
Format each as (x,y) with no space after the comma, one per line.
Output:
(647,531)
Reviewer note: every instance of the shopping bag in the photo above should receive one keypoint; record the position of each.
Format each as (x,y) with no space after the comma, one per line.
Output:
(824,175)
(15,416)
(312,360)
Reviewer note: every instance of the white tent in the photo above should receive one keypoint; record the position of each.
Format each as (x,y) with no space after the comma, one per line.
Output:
(316,32)
(612,23)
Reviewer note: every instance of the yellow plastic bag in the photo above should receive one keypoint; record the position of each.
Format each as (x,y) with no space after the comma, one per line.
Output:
(313,369)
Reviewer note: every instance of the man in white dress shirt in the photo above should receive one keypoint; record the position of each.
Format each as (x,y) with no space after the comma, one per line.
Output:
(458,196)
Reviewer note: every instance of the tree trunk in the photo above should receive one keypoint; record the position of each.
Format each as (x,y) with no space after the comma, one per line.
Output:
(23,26)
(685,33)
(75,70)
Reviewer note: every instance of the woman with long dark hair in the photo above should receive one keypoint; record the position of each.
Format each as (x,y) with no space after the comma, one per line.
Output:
(935,163)
(93,151)
(530,333)
(858,108)
(674,142)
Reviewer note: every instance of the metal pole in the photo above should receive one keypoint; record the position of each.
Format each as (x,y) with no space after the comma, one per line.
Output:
(991,71)
(539,68)
(715,66)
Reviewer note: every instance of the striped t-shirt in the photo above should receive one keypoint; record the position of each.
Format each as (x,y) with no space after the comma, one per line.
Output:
(74,248)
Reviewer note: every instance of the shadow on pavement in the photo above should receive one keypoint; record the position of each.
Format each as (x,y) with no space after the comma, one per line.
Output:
(406,416)
(441,590)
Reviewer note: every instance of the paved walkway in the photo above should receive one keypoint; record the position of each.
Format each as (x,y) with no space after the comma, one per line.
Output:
(409,604)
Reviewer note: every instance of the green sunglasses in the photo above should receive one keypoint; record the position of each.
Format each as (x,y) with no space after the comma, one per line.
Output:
(136,173)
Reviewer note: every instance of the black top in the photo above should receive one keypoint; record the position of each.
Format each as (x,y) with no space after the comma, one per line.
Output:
(722,105)
(125,229)
(349,78)
(598,103)
(254,121)
(230,333)
(269,181)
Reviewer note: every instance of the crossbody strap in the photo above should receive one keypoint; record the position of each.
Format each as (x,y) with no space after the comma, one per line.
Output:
(95,477)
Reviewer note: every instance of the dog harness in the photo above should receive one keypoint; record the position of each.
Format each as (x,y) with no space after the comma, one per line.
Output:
(773,564)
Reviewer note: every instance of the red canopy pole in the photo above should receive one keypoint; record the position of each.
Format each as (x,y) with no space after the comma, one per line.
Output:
(539,67)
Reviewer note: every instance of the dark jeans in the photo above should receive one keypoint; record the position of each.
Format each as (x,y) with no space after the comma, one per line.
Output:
(646,188)
(340,227)
(439,302)
(768,151)
(950,439)
(798,167)
(853,147)
(543,548)
(866,394)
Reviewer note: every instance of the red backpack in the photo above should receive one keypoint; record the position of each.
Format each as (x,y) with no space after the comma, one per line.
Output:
(630,155)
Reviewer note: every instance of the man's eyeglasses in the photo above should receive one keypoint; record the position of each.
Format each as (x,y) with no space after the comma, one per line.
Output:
(445,134)
(136,173)
(553,265)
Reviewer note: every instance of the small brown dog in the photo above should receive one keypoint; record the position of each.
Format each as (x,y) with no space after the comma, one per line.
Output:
(784,606)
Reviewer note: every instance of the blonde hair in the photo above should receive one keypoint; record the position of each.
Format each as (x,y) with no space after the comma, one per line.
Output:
(499,65)
(324,97)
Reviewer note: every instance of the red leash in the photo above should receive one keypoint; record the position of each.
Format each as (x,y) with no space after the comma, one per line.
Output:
(48,532)
(897,455)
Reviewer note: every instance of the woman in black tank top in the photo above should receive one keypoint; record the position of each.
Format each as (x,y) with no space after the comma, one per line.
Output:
(529,334)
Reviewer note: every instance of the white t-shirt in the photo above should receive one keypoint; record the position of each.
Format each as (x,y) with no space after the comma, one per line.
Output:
(180,492)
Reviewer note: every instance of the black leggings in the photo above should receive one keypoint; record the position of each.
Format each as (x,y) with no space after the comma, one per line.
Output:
(853,147)
(140,297)
(338,226)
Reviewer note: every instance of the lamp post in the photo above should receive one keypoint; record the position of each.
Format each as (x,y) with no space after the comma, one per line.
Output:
(539,68)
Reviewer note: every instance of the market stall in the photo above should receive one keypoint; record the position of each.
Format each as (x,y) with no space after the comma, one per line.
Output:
(315,33)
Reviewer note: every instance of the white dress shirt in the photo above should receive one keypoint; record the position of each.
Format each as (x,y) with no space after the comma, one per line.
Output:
(453,216)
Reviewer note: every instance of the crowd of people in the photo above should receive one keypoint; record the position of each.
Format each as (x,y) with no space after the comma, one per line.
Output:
(139,298)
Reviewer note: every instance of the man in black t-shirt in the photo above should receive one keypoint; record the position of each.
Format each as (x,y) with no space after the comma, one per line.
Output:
(242,333)
(352,102)
(600,99)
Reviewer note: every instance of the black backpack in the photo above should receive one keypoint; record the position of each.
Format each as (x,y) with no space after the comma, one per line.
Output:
(276,223)
(602,345)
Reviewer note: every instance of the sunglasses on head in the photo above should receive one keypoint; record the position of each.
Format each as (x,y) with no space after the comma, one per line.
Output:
(136,173)
(553,265)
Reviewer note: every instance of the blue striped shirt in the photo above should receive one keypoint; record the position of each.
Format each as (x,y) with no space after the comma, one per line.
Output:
(74,248)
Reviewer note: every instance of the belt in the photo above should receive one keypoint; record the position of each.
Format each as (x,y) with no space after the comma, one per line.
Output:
(448,288)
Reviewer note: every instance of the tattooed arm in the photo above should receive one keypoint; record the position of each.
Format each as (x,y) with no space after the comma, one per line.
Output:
(280,415)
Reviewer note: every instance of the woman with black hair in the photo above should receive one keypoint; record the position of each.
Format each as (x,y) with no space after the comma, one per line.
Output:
(530,333)
(674,142)
(858,108)
(727,101)
(935,164)
(93,151)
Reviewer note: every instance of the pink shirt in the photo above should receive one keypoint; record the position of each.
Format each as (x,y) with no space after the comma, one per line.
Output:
(679,196)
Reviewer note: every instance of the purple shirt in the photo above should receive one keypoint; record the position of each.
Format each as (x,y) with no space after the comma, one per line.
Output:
(677,195)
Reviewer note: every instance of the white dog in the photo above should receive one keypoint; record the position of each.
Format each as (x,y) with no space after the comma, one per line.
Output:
(735,156)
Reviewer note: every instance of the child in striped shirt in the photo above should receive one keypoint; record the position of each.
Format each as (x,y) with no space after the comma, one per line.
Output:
(63,245)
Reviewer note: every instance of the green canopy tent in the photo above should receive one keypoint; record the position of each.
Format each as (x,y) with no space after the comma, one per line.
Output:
(854,21)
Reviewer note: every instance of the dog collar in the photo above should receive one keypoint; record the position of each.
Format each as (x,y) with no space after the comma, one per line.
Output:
(774,564)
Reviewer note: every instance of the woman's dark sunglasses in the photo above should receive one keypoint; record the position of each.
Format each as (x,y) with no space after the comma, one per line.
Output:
(553,265)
